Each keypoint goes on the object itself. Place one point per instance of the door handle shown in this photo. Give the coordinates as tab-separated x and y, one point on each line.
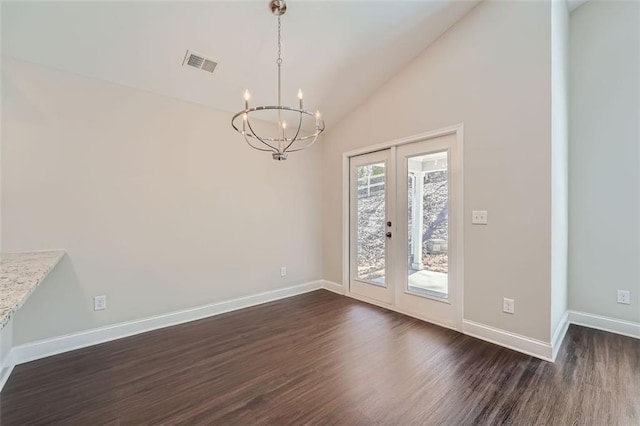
388	234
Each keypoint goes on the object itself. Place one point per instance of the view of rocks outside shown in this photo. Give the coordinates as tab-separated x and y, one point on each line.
371	222
435	238
372	226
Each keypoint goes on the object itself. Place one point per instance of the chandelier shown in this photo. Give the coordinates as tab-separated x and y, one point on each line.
287	138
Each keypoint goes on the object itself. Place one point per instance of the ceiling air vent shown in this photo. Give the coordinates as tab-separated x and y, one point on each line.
195	60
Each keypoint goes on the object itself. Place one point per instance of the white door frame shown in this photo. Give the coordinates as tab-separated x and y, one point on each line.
458	131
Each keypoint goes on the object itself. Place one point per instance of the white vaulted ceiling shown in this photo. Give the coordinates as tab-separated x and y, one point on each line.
337	52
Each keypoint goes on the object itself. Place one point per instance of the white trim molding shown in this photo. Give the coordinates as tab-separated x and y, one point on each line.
536	348
517	342
333	287
612	325
558	335
544	350
57	345
6	367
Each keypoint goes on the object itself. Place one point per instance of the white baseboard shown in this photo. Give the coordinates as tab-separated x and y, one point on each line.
517	342
612	325
558	335
542	349
334	287
6	367
44	348
548	352
527	345
524	344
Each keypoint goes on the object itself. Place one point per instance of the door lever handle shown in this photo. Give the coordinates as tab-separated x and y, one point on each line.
388	234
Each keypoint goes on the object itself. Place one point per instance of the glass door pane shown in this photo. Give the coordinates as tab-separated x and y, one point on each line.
428	225
370	223
370	187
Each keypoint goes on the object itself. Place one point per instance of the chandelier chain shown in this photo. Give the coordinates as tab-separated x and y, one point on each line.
279	62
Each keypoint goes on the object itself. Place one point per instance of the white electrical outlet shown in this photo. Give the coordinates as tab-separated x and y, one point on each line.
624	297
509	306
99	303
283	271
479	217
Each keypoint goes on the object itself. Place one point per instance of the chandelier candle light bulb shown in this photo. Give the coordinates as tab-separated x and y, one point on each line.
247	96
279	146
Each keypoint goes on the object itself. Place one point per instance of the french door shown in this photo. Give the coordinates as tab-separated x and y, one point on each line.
371	226
403	232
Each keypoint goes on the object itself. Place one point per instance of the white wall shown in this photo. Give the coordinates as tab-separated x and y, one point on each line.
559	160
159	203
604	154
491	72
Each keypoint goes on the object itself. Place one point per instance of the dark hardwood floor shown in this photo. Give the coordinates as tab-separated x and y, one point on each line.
321	358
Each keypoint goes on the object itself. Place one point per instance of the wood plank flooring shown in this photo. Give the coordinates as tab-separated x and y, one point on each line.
321	358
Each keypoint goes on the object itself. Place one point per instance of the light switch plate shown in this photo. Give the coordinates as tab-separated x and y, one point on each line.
479	217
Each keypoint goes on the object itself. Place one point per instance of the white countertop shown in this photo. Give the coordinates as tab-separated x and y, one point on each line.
20	275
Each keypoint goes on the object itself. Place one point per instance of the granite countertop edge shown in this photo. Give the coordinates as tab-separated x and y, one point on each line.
30	287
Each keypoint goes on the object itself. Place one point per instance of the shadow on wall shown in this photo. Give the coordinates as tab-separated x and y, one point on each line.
36	319
17	102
